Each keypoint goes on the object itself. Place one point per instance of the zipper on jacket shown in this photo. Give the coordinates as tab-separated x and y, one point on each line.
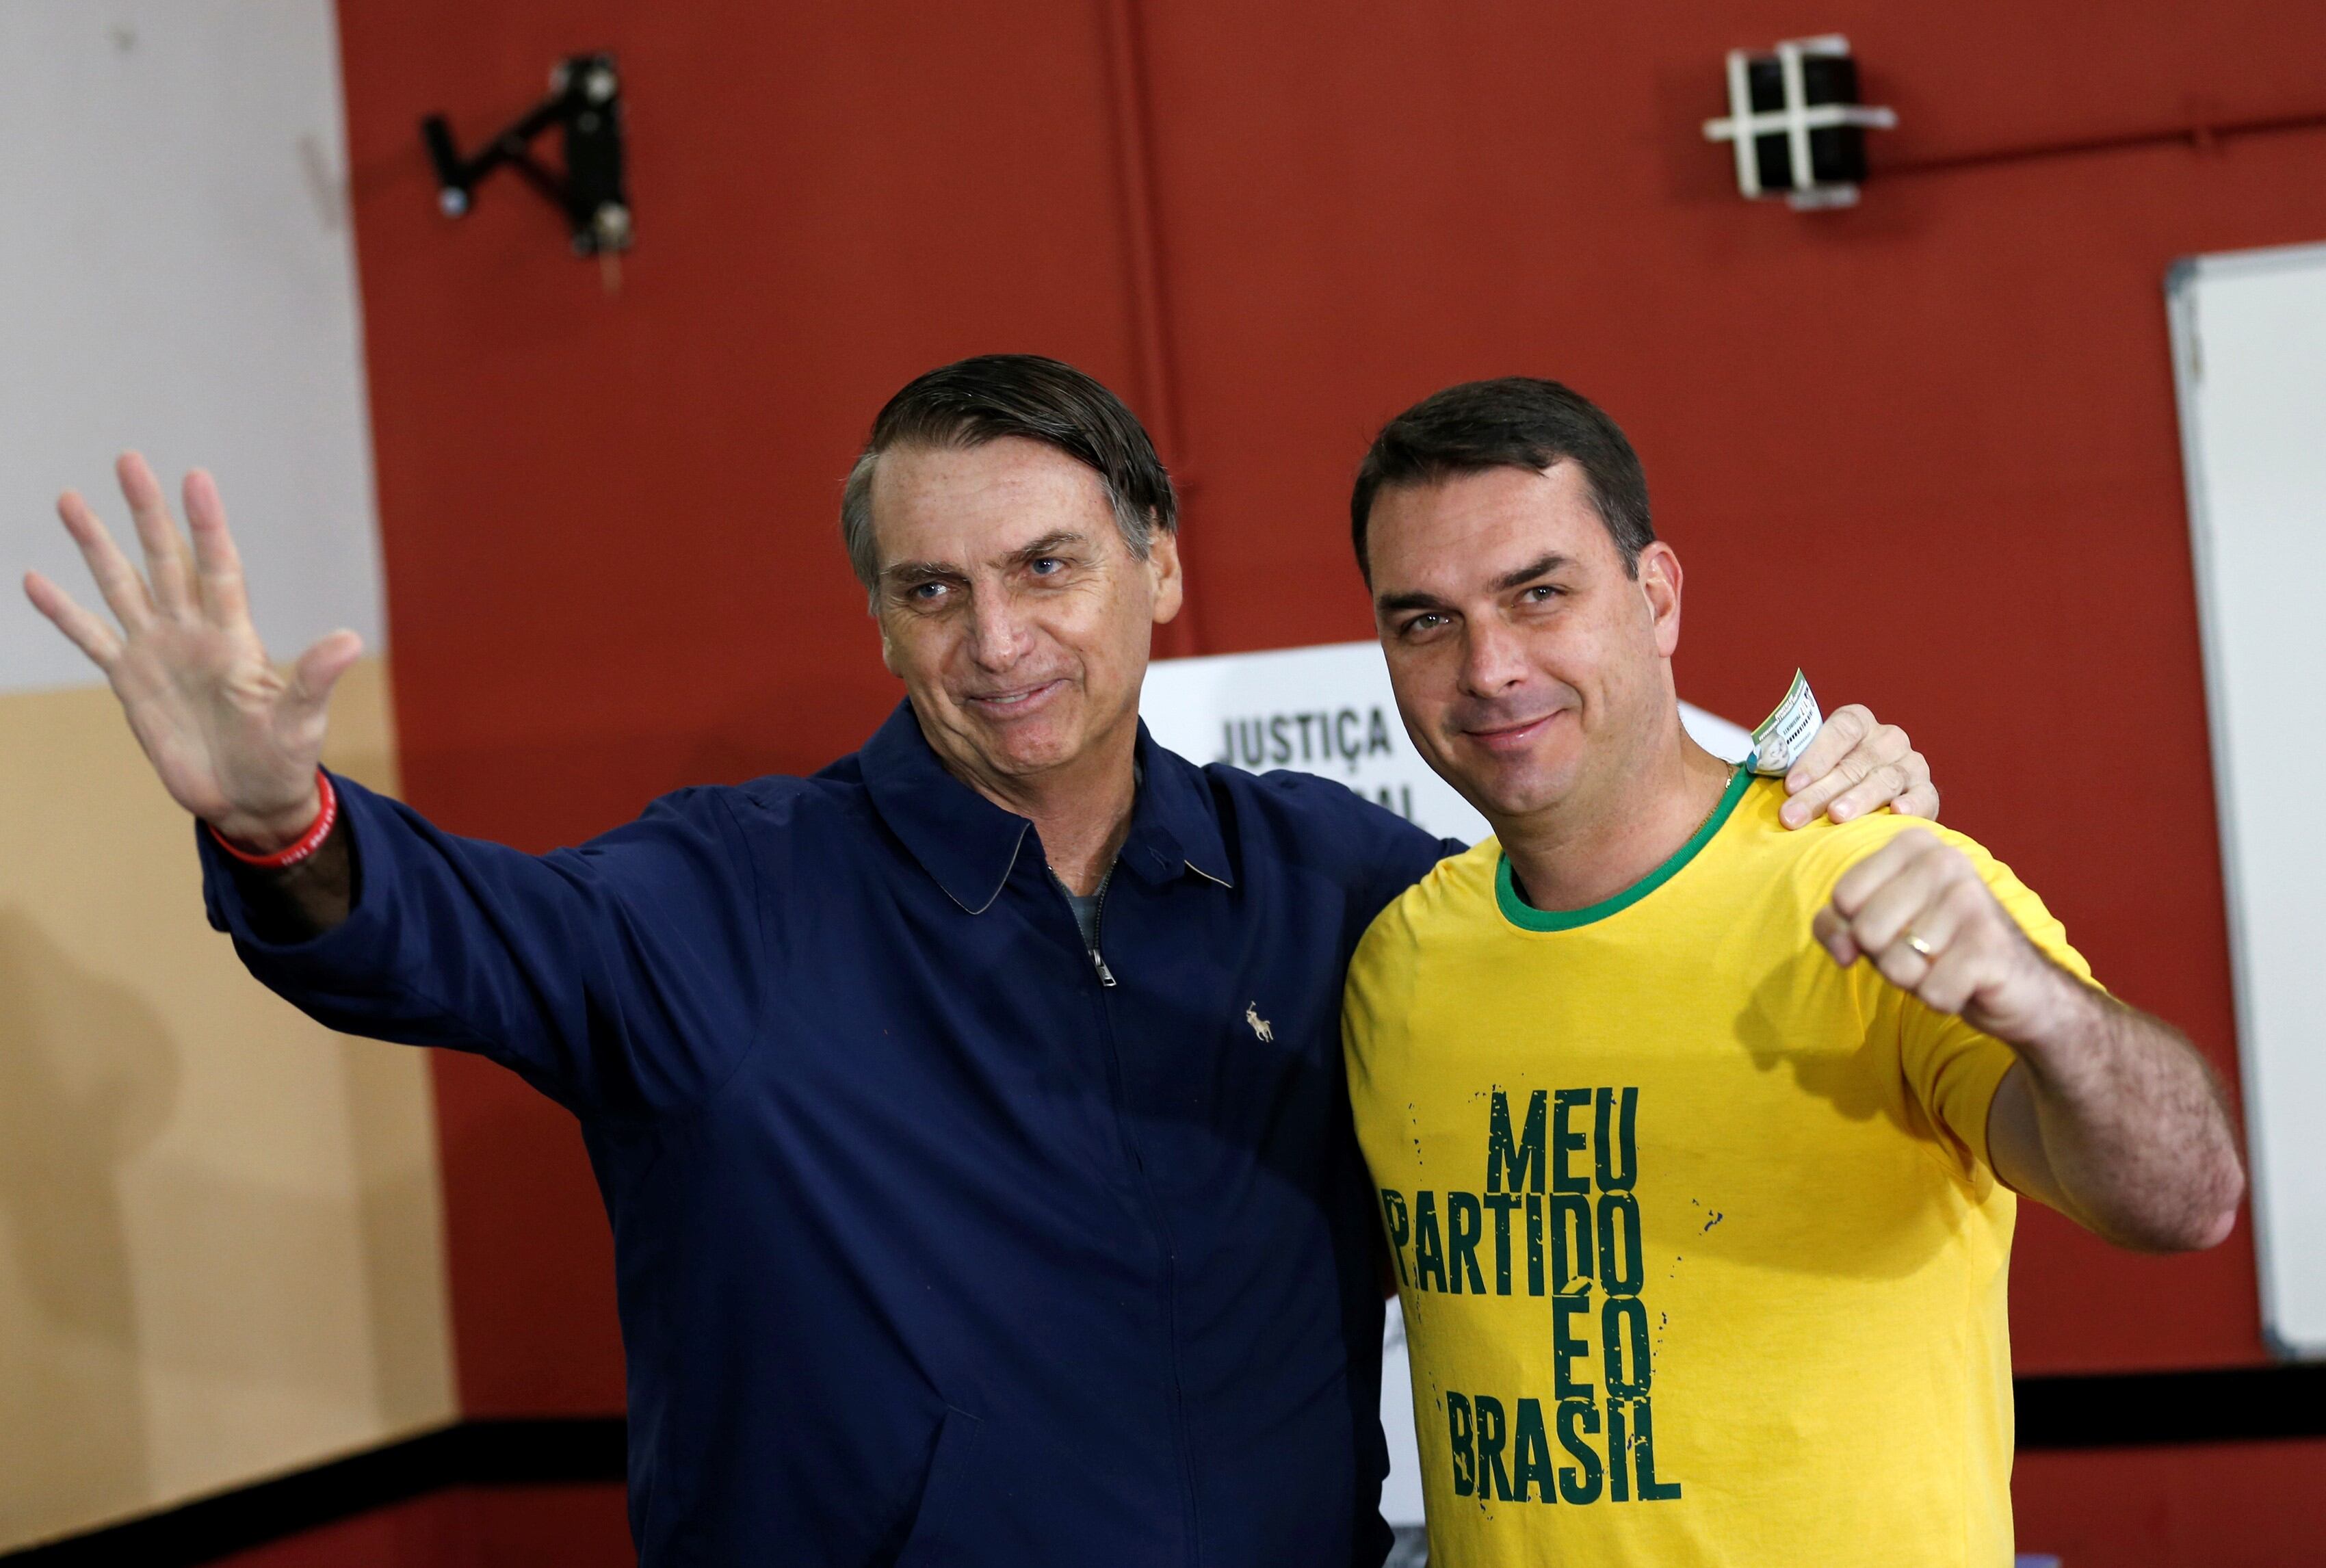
1190	1517
1098	917
1098	913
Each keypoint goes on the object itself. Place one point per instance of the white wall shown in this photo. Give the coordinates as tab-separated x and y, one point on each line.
177	274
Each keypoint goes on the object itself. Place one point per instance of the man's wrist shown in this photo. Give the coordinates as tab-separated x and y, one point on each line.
284	840
2066	1019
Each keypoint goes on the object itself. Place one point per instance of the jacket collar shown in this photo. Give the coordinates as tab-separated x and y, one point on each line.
1175	829
969	844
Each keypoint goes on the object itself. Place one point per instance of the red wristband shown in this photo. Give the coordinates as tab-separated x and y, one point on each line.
308	843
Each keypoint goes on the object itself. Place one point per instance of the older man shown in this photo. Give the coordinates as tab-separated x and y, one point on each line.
962	1210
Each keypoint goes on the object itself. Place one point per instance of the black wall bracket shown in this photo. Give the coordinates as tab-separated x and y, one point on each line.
585	102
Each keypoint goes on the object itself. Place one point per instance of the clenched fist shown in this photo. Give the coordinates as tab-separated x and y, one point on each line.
1919	911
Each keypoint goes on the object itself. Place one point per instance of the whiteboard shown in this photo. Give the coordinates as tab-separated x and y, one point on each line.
2249	357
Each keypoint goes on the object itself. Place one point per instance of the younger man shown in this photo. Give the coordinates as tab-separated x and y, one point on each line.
1701	1232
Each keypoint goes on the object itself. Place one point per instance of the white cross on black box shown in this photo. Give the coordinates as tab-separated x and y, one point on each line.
1795	122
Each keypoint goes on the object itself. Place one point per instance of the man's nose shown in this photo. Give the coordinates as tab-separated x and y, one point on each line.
1493	659
999	634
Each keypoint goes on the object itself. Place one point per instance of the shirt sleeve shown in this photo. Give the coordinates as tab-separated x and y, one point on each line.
1952	1068
619	978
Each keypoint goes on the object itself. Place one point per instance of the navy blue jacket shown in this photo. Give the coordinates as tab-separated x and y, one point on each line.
932	1246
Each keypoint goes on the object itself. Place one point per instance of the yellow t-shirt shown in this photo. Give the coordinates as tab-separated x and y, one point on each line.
1701	1255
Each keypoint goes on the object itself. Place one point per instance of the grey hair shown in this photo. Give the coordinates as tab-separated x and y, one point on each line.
976	401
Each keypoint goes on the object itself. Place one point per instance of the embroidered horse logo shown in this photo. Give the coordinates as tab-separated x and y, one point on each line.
1260	1025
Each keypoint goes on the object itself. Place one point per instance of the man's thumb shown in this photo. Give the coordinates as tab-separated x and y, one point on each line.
319	670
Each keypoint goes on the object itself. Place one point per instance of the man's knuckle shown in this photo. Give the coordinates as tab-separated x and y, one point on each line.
1979	946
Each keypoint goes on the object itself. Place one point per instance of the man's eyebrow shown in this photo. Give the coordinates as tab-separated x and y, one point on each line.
1527	573
912	572
1393	603
1049	543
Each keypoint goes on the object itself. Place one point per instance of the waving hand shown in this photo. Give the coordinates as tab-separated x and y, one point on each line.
234	741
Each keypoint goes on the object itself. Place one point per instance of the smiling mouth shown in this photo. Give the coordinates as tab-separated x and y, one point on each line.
1508	737
1004	704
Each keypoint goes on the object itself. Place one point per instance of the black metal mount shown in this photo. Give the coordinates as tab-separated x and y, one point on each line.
585	102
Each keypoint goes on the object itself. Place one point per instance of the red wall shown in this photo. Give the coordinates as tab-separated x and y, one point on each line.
2229	1505
1925	449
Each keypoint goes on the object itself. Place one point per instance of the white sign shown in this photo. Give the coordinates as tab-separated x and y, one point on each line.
1329	710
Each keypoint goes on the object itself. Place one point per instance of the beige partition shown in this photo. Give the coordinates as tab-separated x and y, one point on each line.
219	1226
219	1231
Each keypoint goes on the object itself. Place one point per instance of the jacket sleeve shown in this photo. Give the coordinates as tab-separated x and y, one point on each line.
1376	854
621	978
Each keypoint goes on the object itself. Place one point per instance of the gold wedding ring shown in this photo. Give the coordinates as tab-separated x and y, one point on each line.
1920	946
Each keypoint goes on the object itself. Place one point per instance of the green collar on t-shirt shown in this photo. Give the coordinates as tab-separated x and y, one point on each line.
1527	918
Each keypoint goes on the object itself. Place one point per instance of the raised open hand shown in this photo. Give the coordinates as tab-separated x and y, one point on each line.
234	740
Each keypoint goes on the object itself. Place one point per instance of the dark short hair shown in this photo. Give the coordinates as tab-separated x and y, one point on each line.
1515	422
975	401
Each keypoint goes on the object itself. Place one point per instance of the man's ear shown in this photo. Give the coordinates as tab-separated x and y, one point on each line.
1659	585
1164	575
